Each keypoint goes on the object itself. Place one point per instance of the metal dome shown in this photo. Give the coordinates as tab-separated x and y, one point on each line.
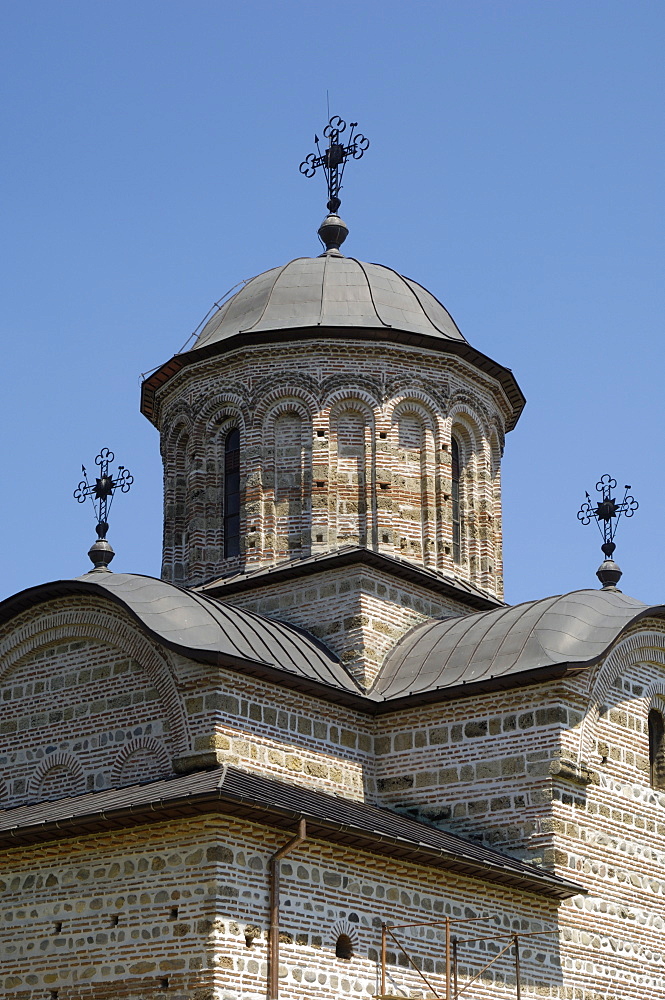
330	291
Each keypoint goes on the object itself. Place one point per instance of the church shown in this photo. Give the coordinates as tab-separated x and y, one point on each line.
321	758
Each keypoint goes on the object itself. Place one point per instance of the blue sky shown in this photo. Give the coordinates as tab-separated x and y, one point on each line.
150	161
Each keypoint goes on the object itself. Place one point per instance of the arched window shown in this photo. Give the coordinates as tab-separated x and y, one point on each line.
232	493
344	947
455	498
657	749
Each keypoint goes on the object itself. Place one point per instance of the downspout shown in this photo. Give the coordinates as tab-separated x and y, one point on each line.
273	939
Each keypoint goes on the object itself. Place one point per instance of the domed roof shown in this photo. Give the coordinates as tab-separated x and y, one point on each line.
330	291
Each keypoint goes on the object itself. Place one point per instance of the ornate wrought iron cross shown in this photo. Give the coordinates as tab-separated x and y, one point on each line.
102	491
333	159
607	512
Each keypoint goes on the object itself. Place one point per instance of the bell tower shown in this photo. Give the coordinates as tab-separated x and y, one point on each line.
332	448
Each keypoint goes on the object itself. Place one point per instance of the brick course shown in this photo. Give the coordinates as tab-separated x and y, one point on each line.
342	443
556	772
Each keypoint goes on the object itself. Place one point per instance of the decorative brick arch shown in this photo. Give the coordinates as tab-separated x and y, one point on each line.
285	395
61	761
640	647
463	404
338	386
417	401
66	621
179	415
344	928
146	747
214	412
352	397
268	390
285	403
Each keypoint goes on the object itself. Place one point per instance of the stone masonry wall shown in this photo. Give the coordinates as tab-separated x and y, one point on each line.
291	736
555	772
610	826
342	442
479	765
87	703
180	910
90	703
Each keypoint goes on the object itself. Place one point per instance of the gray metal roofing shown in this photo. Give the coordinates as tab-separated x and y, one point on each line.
192	622
572	628
355	825
330	291
346	555
439	659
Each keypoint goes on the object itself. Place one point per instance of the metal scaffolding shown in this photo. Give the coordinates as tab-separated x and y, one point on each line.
453	989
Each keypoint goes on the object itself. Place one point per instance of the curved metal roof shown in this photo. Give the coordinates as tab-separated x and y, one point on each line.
202	627
572	628
341	297
442	658
330	291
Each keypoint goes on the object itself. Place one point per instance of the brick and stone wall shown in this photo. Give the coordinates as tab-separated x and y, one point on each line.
342	442
180	909
359	612
87	703
557	772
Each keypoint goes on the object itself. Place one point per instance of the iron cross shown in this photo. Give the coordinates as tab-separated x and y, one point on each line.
333	159
102	491
607	512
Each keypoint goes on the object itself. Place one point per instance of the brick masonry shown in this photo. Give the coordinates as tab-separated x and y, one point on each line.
342	442
557	773
359	612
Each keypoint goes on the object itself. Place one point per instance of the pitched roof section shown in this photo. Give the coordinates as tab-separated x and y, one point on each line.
273	803
355	555
499	646
330	291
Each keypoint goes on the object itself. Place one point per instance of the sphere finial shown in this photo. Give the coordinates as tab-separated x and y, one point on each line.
333	231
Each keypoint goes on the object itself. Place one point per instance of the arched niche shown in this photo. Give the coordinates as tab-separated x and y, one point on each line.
414	481
352	472
286	480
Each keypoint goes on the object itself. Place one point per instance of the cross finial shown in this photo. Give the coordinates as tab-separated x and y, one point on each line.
607	514
101	493
333	231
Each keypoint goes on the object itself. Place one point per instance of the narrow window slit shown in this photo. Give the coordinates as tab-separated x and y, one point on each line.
232	493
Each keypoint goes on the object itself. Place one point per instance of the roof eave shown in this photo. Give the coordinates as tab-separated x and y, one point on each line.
162	375
244	805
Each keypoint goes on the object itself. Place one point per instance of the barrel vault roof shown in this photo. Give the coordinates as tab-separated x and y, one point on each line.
439	659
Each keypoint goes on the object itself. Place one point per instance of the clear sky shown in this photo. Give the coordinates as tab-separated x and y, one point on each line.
150	161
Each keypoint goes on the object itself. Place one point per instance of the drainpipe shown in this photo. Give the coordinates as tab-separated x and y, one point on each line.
273	940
